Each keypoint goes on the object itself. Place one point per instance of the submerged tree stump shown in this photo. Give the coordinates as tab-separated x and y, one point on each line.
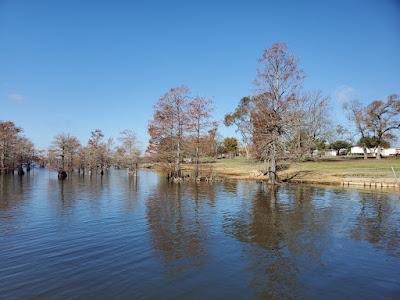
62	174
21	171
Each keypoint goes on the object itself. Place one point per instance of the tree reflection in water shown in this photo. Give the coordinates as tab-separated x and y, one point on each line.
14	190
216	240
288	232
176	227
377	222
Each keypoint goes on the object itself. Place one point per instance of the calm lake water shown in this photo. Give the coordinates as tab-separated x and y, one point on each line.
142	238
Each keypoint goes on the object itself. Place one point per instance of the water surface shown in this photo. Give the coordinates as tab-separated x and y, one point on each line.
143	238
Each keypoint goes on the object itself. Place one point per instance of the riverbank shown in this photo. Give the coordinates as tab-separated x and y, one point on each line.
343	171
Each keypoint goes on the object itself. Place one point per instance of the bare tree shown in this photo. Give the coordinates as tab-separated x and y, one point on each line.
118	158
60	146
276	103
212	141
108	153
42	158
129	150
82	159
52	158
66	147
310	124
241	119
356	113
382	118
24	153
73	146
166	129
200	122
95	152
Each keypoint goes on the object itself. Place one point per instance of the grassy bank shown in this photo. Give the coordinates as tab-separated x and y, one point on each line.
339	171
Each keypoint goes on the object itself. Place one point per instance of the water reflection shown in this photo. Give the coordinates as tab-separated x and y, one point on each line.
114	188
14	192
177	231
287	230
63	239
377	222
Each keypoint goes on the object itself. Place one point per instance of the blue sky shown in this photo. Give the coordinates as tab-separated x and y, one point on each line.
73	66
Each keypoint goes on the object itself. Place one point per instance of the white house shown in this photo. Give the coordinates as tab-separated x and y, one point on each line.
330	153
359	150
390	151
385	152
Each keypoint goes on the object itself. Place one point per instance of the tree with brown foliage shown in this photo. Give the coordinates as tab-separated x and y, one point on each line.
129	152
200	122
275	105
66	147
9	134
42	158
24	154
167	128
212	141
96	152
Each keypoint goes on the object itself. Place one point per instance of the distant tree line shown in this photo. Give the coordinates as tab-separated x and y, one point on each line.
66	154
96	157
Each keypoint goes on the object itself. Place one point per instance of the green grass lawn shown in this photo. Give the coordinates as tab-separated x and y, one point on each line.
353	167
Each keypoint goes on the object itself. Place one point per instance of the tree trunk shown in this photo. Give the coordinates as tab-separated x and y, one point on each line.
62	161
62	174
365	152
299	154
379	152
266	166
197	150
2	158
272	171
20	170
246	149
178	160
71	165
197	162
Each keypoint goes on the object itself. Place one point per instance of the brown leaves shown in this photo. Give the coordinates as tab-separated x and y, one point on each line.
279	73
178	117
277	100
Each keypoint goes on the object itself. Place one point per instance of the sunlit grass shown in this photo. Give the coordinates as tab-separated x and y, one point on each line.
339	168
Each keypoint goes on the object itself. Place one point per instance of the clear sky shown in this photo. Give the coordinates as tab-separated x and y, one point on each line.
73	66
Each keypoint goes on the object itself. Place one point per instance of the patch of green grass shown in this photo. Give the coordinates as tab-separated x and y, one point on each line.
355	168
